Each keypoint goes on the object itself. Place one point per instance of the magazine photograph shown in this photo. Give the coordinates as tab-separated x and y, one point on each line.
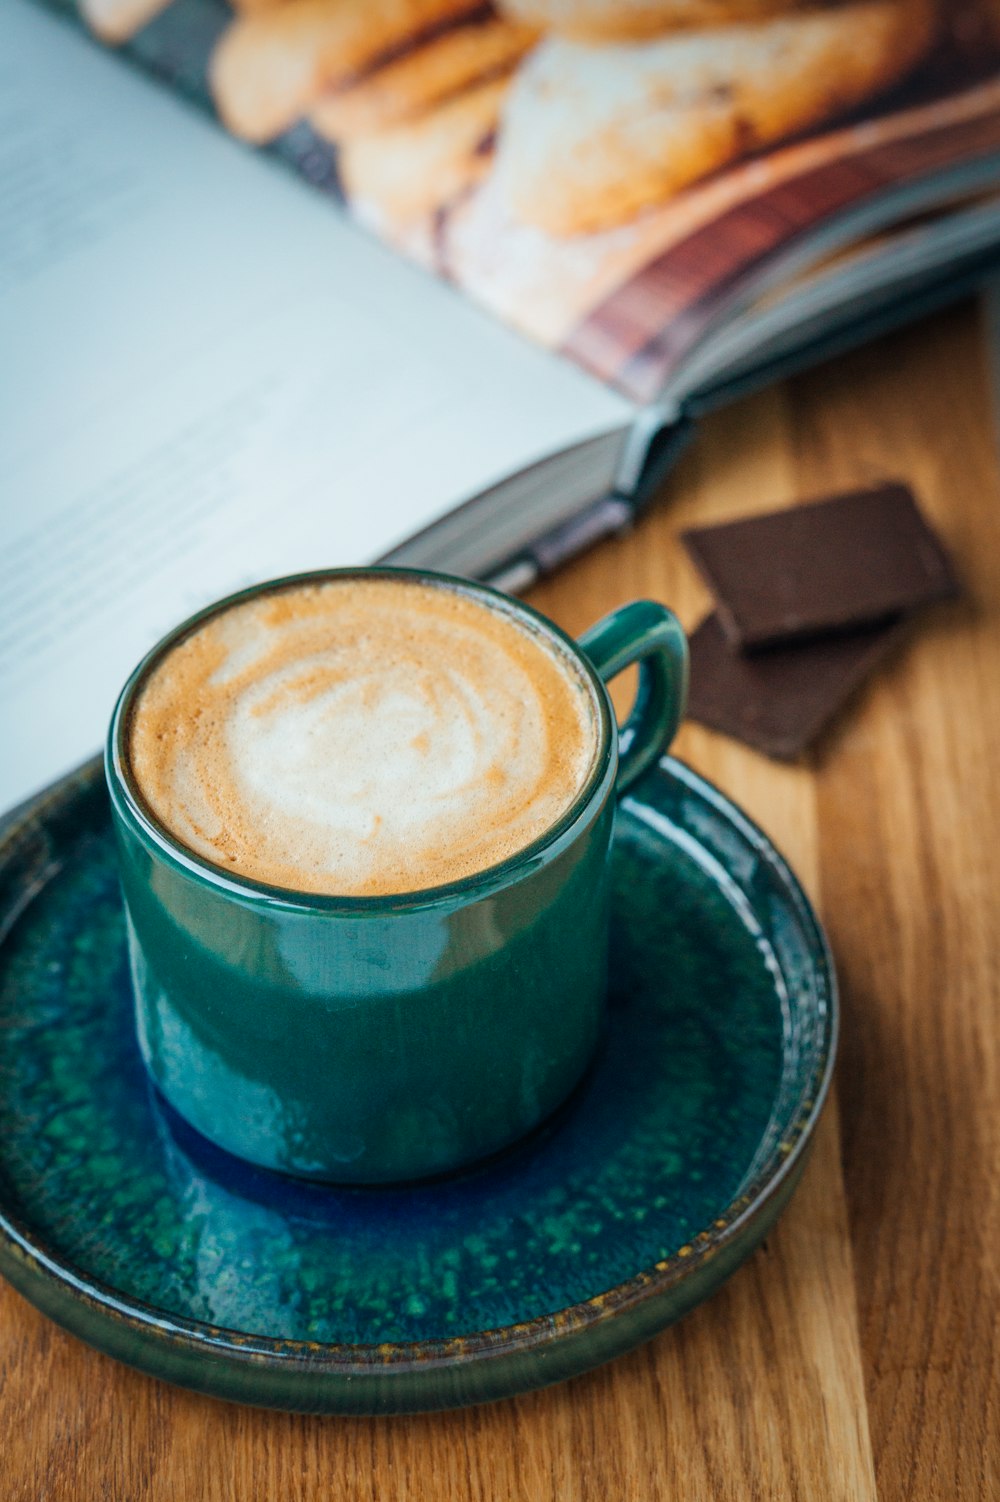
608	178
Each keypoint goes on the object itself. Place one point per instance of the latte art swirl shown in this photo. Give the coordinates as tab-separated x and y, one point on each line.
362	737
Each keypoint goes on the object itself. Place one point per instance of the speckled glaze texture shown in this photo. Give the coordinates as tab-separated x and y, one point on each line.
655	1181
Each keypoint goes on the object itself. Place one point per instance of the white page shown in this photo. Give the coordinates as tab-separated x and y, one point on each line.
207	377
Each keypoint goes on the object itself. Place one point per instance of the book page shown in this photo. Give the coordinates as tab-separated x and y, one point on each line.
209	378
613	184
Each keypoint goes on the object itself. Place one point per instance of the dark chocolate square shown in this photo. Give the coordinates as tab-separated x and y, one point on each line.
779	700
825	566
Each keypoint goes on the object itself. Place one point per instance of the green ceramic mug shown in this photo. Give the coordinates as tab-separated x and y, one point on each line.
383	1039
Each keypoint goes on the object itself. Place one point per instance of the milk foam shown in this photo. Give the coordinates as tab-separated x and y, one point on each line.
362	737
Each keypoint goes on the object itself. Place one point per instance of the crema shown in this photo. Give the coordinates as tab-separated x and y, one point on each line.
362	736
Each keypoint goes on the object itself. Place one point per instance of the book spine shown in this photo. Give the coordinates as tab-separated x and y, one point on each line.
607	517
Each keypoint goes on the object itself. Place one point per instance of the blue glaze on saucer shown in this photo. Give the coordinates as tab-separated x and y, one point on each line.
649	1187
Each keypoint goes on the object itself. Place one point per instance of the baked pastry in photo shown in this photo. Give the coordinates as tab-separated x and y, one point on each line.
622	20
412	171
272	66
591	136
115	21
415	79
249	7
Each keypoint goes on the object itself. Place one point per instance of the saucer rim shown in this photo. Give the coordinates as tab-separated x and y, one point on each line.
33	1259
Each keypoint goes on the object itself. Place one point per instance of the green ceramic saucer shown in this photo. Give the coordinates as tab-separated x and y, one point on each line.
661	1175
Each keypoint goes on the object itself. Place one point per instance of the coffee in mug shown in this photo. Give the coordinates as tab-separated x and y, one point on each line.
363	736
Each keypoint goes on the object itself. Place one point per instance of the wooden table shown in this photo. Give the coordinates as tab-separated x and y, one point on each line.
858	1354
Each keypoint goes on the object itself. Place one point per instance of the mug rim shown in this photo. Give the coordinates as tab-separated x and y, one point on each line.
129	802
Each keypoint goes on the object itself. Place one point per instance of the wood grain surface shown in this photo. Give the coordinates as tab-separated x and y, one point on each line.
857	1356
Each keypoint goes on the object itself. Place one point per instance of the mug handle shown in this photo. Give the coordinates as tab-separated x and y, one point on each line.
651	635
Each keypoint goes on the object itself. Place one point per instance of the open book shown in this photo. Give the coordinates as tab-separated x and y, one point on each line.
213	375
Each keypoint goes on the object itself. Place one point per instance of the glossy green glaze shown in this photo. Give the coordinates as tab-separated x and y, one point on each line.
376	1040
646	633
663	1171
